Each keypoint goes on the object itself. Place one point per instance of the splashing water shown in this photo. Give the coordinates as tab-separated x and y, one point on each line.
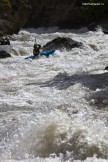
54	109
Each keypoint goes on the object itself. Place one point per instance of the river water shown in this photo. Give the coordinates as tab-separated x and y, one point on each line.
54	109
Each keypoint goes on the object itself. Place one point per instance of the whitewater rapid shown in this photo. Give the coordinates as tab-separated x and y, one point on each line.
54	109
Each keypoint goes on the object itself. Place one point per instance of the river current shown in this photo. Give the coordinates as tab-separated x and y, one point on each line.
54	109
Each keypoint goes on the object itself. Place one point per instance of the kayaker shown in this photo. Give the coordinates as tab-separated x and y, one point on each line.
36	49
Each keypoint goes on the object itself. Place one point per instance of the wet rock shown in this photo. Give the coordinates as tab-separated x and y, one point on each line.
94	47
4	54
4	41
105	31
106	68
99	98
95	26
60	43
104	25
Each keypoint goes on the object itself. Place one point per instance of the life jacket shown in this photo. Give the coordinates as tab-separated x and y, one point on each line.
36	49
35	52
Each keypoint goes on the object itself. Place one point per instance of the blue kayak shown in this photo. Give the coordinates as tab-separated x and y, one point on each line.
31	57
47	53
44	53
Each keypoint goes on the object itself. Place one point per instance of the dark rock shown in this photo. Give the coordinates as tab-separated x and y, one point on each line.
20	11
62	13
4	54
106	68
13	15
4	41
8	27
105	31
4	26
60	43
92	27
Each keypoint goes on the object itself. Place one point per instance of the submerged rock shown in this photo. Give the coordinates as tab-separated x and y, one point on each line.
4	54
60	43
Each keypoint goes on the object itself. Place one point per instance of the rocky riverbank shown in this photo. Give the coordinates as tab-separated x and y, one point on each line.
13	15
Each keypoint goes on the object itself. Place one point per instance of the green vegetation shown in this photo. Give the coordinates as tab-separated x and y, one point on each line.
1	33
4	2
4	5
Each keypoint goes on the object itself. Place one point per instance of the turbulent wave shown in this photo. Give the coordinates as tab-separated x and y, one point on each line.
54	109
